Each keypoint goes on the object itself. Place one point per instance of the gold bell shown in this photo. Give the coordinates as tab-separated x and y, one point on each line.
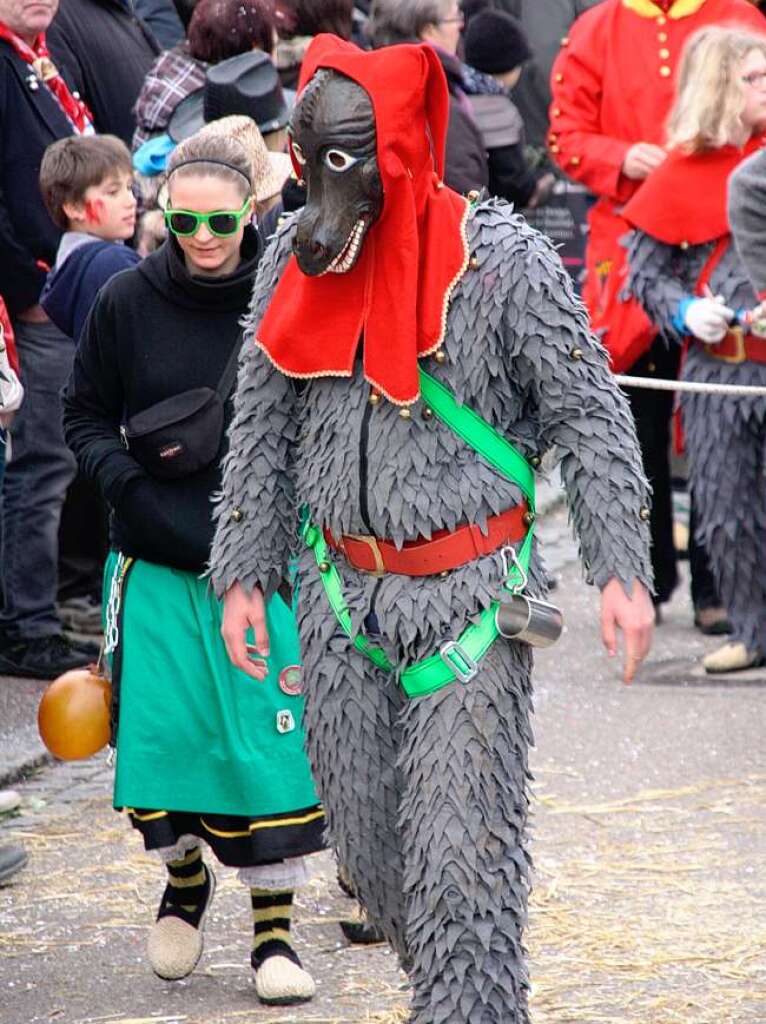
576	354
440	355
473	195
427	413
374	398
473	263
236	515
644	513
405	413
535	461
324	567
528	518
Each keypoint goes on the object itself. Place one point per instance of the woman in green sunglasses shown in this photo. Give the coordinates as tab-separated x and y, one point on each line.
204	753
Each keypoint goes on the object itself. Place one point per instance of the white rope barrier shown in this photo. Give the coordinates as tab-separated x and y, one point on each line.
691	387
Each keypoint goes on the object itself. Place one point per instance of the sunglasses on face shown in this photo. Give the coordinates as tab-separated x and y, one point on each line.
220	222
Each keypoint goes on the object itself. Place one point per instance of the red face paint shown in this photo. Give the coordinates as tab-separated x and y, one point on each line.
94	209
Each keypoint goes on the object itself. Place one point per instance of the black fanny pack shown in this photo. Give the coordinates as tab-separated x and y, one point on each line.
182	434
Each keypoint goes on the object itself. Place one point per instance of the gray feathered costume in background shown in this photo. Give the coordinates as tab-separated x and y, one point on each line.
725	437
426	800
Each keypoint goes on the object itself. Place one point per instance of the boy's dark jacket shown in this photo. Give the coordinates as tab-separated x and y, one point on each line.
73	285
154	332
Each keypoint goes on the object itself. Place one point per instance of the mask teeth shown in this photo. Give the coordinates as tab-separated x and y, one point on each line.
346	258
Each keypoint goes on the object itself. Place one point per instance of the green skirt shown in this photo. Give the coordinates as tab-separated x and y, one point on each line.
201	747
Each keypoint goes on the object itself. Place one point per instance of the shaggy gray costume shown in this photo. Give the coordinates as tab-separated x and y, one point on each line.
725	436
426	800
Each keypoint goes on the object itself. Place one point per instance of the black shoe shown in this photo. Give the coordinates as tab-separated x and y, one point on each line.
360	931
712	621
44	657
12	859
81	615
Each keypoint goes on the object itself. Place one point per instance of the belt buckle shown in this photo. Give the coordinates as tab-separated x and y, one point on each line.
377	554
739	338
456	659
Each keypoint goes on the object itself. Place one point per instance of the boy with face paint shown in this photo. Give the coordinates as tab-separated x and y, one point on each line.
387	273
87	185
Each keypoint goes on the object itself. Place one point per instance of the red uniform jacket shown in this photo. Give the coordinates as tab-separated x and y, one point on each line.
613	84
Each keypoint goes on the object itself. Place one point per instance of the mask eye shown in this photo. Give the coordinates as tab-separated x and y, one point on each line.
339	161
298	152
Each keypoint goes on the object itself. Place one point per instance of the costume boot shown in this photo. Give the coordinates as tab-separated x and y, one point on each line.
175	940
280	979
732	657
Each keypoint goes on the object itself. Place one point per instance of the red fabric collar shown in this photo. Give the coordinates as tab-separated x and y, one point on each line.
39	58
397	295
684	200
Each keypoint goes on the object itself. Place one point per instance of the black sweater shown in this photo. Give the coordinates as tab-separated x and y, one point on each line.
154	332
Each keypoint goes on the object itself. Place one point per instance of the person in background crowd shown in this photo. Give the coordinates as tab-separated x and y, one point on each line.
218	30
107	51
87	186
496	46
37	107
301	21
613	85
163	21
439	23
686	272
161	332
545	24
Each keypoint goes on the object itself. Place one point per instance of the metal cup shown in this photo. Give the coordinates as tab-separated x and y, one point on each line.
529	620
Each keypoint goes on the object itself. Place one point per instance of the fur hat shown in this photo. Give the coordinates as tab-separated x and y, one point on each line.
495	42
269	170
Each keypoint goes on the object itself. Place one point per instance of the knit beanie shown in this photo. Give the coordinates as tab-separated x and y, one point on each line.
495	42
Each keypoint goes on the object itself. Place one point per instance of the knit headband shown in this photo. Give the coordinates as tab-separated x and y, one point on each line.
211	160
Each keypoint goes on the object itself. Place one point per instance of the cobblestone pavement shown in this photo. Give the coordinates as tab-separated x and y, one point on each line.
649	838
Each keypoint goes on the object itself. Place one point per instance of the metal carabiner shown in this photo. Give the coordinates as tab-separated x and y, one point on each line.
511	562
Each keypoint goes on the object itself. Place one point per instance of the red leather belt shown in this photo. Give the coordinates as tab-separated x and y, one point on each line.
445	551
737	347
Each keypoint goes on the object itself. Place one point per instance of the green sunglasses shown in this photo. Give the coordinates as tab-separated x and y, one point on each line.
220	222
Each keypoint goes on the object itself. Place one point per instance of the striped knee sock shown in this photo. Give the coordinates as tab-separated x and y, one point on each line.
271	925
187	881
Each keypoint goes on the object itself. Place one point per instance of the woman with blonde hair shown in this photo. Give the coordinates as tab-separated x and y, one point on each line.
687	274
204	753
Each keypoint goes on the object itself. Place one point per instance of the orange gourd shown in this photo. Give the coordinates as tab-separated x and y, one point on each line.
73	717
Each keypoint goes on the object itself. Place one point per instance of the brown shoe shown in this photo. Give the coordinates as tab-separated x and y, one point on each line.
712	621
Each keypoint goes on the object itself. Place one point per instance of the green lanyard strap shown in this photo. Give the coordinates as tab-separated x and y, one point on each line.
457	659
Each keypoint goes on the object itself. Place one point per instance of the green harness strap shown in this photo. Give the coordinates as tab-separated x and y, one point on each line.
457	659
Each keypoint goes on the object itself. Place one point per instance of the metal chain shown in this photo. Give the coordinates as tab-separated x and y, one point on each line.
111	631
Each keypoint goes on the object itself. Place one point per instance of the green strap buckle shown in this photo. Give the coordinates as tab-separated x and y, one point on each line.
456	659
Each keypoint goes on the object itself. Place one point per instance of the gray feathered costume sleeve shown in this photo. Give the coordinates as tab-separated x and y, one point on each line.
257	517
747	217
659	280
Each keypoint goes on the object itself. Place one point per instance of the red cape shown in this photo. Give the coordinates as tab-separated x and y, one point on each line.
684	200
396	296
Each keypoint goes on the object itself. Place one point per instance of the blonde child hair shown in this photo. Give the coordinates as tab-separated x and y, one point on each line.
708	107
